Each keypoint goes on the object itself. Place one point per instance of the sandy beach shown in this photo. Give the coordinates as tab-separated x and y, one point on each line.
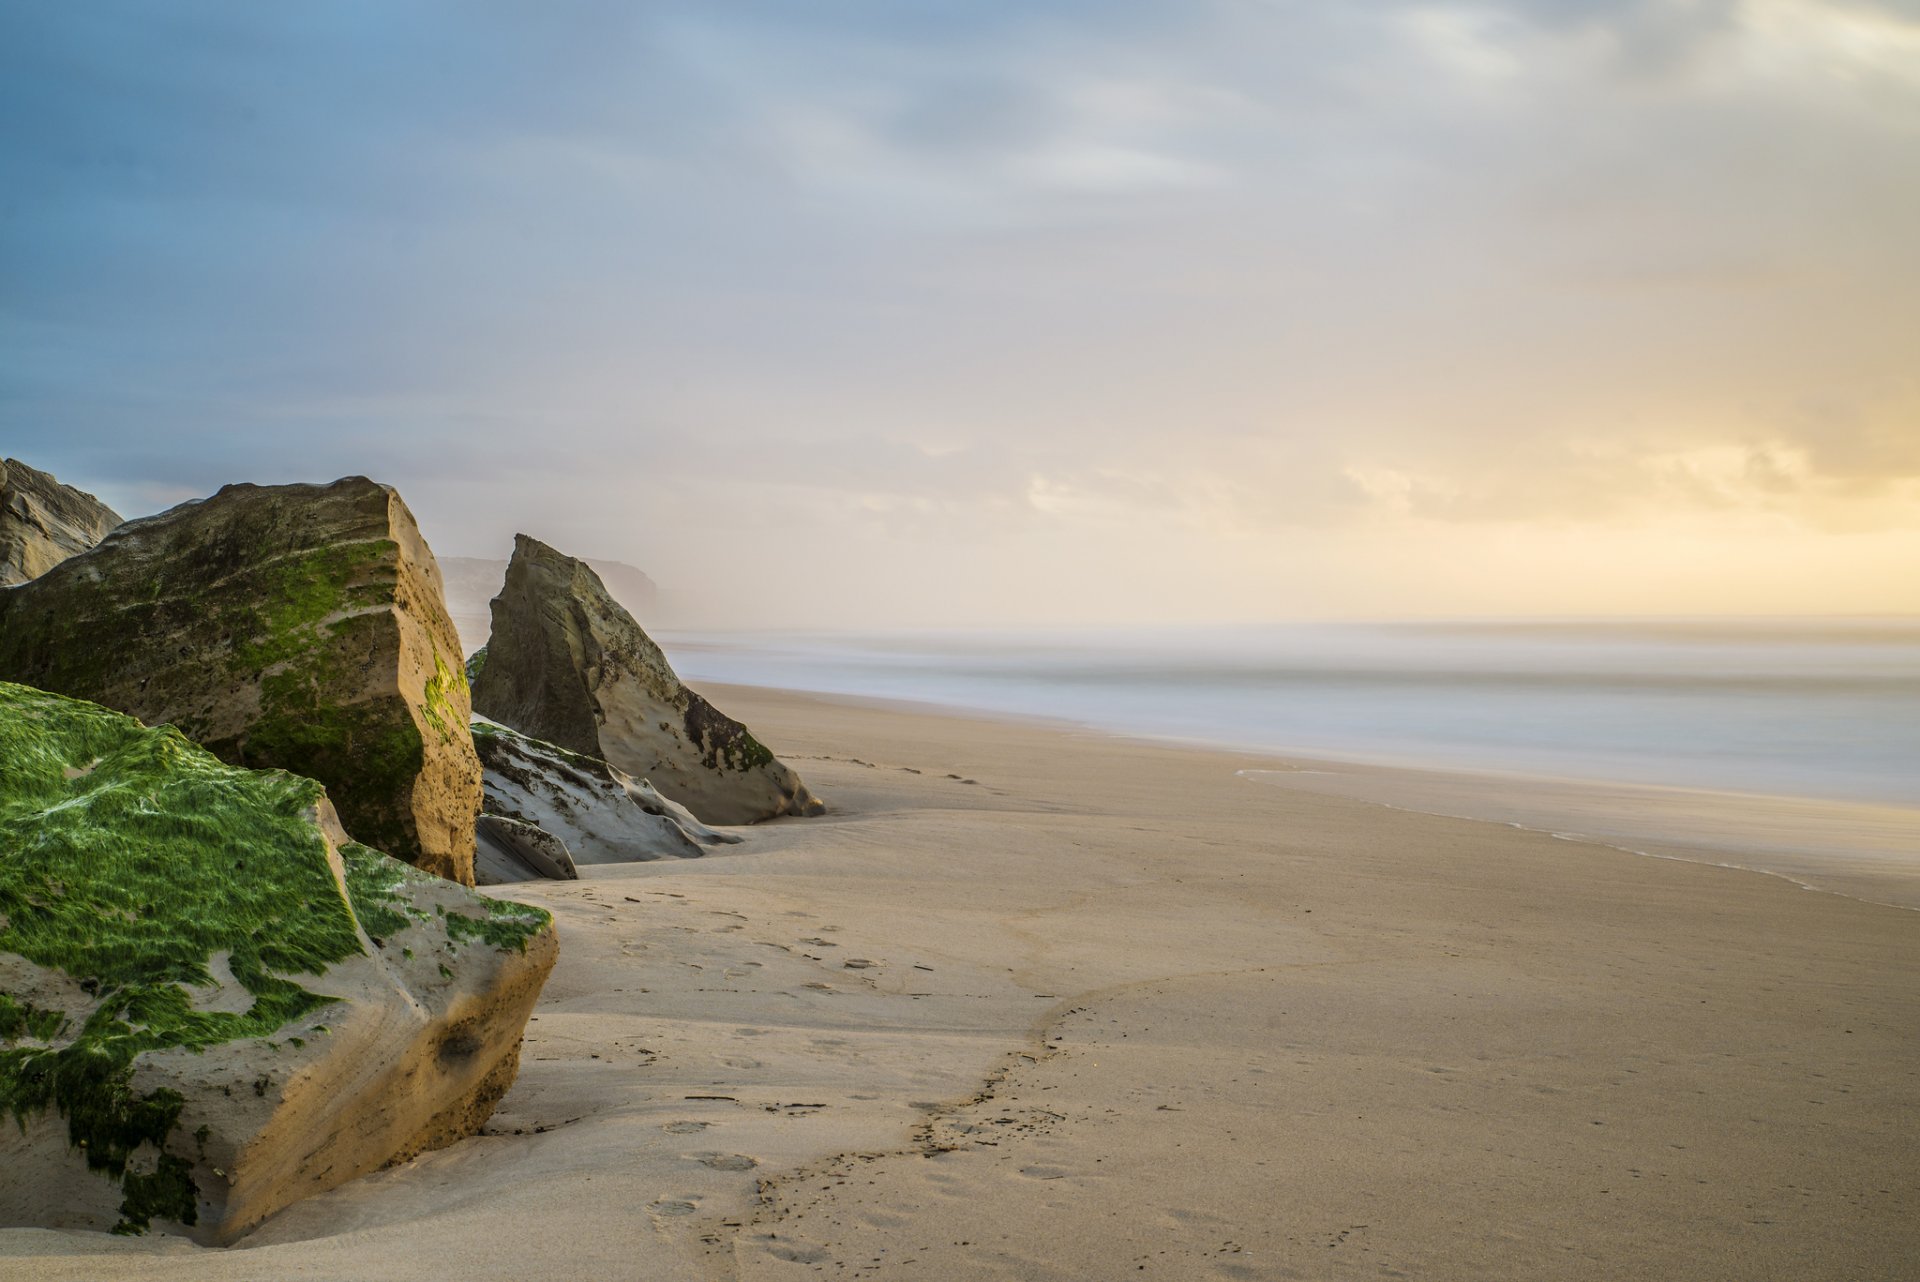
1030	1003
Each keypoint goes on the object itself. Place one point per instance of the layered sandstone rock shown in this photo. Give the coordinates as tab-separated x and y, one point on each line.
212	1002
550	811
298	626
565	663
43	522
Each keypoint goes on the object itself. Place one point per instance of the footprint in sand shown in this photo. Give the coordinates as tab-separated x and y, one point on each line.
796	1250
725	1161
685	1128
1044	1172
673	1206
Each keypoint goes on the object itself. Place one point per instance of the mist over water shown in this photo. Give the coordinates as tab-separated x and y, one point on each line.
1817	710
1644	728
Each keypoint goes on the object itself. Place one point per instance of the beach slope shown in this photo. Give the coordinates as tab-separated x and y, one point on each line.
1034	1004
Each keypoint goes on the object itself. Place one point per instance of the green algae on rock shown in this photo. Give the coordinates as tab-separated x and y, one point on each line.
204	1010
297	626
568	665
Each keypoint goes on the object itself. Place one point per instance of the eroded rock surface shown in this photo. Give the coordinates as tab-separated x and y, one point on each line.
565	663
509	850
43	522
212	1003
593	812
298	626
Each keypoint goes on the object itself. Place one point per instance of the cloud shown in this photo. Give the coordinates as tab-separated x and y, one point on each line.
1036	279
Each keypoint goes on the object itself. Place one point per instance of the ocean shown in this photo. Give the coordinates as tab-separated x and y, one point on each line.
1790	746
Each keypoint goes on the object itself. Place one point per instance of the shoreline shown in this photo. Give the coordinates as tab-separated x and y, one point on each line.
1862	850
1113	1010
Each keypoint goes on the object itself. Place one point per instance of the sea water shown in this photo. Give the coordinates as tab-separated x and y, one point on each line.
1674	731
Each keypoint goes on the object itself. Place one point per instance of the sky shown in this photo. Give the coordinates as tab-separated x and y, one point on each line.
870	313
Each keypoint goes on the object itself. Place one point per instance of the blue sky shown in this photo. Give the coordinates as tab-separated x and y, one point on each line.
951	313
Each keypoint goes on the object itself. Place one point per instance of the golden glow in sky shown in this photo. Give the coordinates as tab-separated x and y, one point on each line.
999	314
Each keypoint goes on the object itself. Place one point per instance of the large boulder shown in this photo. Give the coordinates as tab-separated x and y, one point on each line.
212	1002
550	811
565	663
473	581
43	522
298	626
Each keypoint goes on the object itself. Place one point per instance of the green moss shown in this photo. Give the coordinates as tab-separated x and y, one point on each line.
251	607
476	661
746	752
129	859
376	884
22	1019
359	750
167	1192
292	597
507	925
435	705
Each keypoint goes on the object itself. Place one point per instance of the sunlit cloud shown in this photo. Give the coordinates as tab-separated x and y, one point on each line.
1312	308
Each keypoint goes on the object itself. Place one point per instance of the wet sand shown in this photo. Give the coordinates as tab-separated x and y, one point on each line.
1864	850
1033	1004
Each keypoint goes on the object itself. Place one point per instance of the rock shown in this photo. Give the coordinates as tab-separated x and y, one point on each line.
567	665
473	581
298	626
212	1002
43	522
505	850
595	813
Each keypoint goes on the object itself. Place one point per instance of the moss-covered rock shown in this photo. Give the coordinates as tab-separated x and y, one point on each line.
43	522
296	626
211	1002
568	665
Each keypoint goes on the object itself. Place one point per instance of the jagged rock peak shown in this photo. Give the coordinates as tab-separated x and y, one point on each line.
43	522
568	665
298	626
474	581
228	1005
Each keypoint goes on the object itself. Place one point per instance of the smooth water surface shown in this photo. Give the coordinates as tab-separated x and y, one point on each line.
1697	738
1817	709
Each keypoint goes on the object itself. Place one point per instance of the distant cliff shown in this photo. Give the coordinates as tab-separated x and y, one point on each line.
43	522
